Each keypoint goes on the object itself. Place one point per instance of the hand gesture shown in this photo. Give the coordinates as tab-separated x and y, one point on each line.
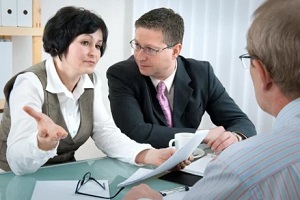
49	133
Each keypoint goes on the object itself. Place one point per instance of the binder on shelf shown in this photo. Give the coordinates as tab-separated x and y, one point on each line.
24	13
9	12
6	67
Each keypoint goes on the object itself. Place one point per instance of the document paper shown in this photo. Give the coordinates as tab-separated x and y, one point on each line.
179	156
198	167
64	189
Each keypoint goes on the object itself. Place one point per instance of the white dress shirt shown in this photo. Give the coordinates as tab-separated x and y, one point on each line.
23	154
169	85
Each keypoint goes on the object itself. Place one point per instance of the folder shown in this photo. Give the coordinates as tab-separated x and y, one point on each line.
181	178
191	173
6	65
9	12
24	13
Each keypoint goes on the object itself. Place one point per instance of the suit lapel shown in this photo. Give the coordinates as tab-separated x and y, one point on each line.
182	94
182	91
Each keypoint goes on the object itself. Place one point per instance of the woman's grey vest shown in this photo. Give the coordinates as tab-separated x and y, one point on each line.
51	107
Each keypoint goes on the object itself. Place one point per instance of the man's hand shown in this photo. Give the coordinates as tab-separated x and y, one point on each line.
49	133
142	191
158	156
219	139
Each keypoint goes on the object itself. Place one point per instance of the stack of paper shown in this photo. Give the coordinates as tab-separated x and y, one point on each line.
198	167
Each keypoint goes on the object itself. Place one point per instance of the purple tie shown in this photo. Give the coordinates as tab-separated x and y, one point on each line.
164	103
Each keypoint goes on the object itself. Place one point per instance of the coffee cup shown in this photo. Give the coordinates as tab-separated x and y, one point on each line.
180	139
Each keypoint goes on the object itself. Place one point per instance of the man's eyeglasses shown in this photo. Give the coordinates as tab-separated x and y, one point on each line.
247	60
148	50
87	177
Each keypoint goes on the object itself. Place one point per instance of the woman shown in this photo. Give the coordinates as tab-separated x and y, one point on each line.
63	95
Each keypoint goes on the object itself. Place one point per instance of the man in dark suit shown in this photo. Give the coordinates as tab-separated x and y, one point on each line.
191	89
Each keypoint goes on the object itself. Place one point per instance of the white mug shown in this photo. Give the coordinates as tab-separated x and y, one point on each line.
180	139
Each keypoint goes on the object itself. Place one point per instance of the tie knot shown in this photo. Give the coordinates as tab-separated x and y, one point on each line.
161	87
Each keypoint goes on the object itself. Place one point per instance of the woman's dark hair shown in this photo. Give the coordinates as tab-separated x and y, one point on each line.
66	25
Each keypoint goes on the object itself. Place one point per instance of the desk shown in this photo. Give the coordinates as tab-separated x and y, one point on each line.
115	171
1	105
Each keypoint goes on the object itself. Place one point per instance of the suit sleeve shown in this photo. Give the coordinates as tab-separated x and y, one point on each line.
223	111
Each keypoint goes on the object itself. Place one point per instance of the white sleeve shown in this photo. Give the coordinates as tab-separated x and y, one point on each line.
23	154
107	136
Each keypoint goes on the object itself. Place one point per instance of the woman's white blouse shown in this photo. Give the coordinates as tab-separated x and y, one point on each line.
23	154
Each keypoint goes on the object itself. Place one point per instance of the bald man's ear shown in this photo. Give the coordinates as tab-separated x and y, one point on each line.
263	73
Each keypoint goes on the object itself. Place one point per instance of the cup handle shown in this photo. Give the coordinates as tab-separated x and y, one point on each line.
172	143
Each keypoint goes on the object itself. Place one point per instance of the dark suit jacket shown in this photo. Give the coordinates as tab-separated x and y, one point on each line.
137	113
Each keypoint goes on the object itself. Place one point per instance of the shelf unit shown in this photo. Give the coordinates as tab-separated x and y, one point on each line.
36	32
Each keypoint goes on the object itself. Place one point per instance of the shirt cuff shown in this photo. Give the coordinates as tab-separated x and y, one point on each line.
37	152
137	151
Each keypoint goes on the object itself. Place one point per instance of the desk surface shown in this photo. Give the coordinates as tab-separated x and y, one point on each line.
21	187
